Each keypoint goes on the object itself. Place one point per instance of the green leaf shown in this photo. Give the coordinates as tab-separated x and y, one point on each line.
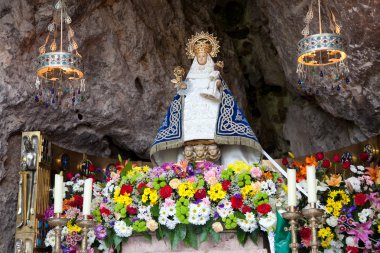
192	238
174	239
147	236
159	233
155	210
109	238
126	168
254	236
215	236
241	236
239	215
117	241
120	159
204	234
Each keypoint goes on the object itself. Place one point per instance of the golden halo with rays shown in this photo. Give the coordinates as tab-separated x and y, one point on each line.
202	40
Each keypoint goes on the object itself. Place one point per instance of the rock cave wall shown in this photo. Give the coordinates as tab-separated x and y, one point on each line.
130	49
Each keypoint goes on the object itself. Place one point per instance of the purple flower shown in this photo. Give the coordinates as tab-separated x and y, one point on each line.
239	196
216	215
49	213
100	232
361	231
104	200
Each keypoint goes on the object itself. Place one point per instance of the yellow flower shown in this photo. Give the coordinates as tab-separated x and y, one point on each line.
239	166
122	199
334	180
73	227
378	228
186	189
335	202
285	187
247	191
149	194
216	192
146	169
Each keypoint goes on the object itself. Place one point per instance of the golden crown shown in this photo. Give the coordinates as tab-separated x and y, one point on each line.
202	42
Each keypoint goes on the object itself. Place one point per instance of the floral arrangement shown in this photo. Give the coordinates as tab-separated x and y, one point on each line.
183	201
350	196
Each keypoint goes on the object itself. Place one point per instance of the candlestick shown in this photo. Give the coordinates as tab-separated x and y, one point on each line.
58	193
85	224
57	222
313	214
87	196
293	216
311	184
292	201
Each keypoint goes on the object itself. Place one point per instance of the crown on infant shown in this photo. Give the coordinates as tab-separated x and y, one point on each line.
202	42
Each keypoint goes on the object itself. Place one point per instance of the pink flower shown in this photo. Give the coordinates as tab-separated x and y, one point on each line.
256	172
361	231
72	212
210	177
206	201
150	185
169	202
191	179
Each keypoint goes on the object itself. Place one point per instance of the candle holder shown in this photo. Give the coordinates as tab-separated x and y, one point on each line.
293	215
86	225
313	214
57	222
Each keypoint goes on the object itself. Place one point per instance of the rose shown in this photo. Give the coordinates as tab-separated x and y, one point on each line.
319	156
69	176
141	187
326	163
246	209
346	165
78	201
104	211
174	183
131	210
336	158
351	249
217	227
226	185
305	234
264	209
152	225
364	156
91	168
200	194
360	199
236	201
166	191
285	161
126	188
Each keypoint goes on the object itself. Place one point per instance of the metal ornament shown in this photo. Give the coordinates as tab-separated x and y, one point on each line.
60	72
86	225
323	54
57	222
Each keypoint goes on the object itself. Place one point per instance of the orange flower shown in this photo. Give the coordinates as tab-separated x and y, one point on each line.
374	174
267	175
183	164
334	180
66	203
310	160
295	164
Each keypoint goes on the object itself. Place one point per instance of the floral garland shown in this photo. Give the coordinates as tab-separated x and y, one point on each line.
196	200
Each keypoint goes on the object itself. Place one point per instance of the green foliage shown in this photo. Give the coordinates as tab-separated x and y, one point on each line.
139	226
230	222
227	174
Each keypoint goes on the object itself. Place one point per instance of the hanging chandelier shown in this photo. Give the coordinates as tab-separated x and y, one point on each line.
322	55
60	74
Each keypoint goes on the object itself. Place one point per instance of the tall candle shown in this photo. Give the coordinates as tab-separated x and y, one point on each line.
58	193
87	196
292	187
311	184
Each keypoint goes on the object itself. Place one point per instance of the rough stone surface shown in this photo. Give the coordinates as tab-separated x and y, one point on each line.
130	48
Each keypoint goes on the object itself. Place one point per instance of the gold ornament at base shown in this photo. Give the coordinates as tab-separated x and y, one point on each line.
86	225
293	215
57	222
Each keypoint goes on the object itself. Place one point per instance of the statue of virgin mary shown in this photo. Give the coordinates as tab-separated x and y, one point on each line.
203	121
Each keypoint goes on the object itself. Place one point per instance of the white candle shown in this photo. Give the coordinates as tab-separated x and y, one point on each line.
311	184
87	196
292	187
58	193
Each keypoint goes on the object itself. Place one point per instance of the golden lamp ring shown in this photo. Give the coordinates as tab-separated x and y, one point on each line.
321	49
53	64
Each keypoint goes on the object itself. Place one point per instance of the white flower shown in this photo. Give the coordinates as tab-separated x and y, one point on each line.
332	221
152	225
357	169
350	241
362	218
224	208
144	213
50	238
103	248
217	227
91	237
122	230
321	186
336	244
268	223
199	213
168	217
248	224
268	187
355	182
366	212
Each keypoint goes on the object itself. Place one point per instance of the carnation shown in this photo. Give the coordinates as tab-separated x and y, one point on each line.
166	191
355	183
200	194
174	183
226	185
360	199
152	225
332	221
256	172
126	188
217	227
264	209
237	201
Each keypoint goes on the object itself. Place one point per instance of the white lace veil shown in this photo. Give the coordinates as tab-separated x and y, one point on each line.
201	71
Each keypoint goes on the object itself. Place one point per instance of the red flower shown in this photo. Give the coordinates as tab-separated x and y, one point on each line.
360	199
305	234
351	249
236	202
336	158
285	161
131	210
126	188
326	164
91	168
92	177
166	191
264	209
319	156
78	200
200	194
226	185
140	188
363	156
346	165
104	211
69	176
246	209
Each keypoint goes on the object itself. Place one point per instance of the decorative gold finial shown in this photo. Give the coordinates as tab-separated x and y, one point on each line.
202	42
